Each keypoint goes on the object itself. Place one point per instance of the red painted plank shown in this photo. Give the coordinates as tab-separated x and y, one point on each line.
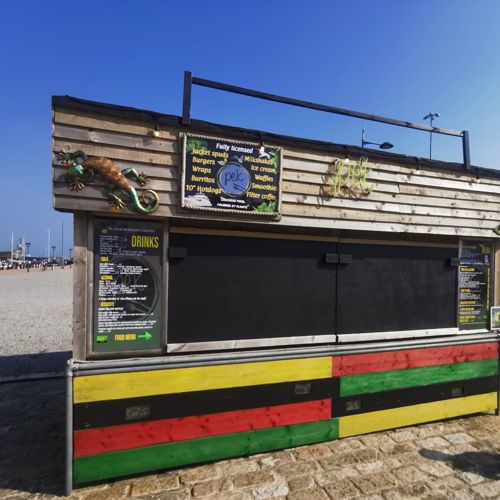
123	437
412	358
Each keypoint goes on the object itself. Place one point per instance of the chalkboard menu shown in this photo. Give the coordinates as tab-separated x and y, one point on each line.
127	285
227	176
474	285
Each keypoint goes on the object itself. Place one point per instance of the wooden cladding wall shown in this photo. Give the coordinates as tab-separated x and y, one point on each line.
404	198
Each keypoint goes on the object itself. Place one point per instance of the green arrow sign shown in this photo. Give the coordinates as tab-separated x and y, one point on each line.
145	336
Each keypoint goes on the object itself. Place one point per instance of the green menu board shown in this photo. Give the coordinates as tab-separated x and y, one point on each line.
127	285
474	284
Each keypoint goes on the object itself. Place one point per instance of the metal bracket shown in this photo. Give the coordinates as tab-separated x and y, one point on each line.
186	99
336	258
177	253
331	258
190	80
466	150
345	258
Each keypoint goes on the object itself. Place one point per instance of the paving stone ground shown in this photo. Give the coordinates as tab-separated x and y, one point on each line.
457	459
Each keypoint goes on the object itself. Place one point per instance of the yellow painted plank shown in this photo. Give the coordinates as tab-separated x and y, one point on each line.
354	425
200	378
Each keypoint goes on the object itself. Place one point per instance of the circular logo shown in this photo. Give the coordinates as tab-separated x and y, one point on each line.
233	179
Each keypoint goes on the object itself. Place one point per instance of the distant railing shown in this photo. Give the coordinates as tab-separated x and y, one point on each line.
190	80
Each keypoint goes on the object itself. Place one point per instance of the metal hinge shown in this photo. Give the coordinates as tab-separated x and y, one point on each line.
177	252
338	258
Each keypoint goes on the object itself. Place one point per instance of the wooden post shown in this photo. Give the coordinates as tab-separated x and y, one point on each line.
496	301
80	285
496	273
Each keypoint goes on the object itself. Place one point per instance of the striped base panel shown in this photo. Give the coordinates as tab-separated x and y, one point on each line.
137	422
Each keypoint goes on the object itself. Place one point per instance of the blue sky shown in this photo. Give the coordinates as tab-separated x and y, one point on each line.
387	57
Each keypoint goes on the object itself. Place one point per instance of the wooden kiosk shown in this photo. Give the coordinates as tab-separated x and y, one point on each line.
262	292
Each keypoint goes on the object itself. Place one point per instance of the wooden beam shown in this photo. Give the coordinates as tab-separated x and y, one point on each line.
107	122
142	142
80	285
116	153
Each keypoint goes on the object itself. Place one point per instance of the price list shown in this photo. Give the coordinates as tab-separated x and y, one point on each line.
222	175
474	284
127	285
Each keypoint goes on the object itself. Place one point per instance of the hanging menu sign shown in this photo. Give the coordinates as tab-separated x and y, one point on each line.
228	176
127	285
474	284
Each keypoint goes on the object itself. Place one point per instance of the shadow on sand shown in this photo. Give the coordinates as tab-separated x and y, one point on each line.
32	425
32	364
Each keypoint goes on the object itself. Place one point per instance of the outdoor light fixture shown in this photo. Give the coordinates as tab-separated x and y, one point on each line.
431	117
383	145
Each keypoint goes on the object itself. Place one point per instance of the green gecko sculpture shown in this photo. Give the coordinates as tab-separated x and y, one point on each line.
82	169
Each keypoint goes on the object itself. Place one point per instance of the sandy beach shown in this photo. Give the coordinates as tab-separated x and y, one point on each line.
35	320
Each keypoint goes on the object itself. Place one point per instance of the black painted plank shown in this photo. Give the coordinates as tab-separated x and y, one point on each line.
125	411
416	395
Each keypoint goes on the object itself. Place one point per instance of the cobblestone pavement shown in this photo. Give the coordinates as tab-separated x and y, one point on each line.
458	459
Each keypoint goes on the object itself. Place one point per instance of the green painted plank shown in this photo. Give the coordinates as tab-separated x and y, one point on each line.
163	456
414	377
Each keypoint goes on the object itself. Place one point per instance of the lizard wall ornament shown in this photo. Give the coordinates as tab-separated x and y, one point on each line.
82	169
